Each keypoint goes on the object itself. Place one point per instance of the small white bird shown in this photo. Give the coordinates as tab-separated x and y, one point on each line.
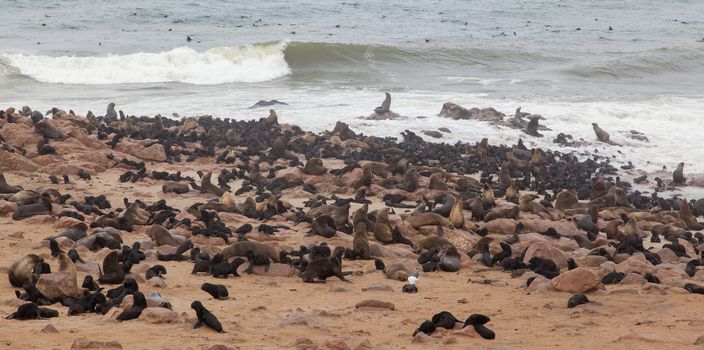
413	277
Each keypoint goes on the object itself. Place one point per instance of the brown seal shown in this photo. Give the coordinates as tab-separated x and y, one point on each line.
424	219
678	175
5	188
502	213
161	236
430	243
449	259
512	194
601	135
360	243
488	196
42	207
314	166
20	272
566	199
272	119
687	217
241	248
323	268
410	181
134	215
364	180
175	187
382	227
324	225
397	271
456	214
437	183
206	186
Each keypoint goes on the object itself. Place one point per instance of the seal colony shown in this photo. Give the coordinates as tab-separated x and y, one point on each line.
230	224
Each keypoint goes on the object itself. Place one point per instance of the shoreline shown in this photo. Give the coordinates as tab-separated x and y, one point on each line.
276	309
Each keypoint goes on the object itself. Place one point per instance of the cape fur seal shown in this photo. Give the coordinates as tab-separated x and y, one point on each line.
241	248
322	268
601	135
205	317
20	272
360	243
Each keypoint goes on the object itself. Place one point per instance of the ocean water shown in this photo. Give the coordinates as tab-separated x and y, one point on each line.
627	65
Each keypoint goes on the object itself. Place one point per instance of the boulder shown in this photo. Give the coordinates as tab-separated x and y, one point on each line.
579	280
546	251
158	315
57	284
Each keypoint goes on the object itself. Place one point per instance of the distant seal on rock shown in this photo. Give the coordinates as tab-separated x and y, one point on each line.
601	135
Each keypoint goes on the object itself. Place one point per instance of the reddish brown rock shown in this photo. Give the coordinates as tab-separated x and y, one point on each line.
579	280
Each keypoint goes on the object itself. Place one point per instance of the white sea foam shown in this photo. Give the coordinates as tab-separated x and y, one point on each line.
246	63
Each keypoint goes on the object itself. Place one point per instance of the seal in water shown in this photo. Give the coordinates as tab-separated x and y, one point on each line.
217	291
385	106
678	174
601	135
205	317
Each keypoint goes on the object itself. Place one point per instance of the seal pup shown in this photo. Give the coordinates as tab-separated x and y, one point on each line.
217	291
259	260
577	299
478	321
205	317
30	311
360	242
138	305
601	135
20	272
155	271
678	175
324	268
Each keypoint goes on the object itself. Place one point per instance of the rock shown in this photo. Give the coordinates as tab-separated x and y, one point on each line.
301	318
546	251
667	255
57	284
633	278
455	111
432	133
540	285
10	161
291	174
154	152
350	342
606	268
219	347
579	280
592	261
65	222
49	329
378	287
275	269
158	315
635	263
373	303
84	343
462	240
90	267
7	208
19	135
339	288
156	282
212	241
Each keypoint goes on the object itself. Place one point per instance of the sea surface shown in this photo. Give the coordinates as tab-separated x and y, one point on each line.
627	65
